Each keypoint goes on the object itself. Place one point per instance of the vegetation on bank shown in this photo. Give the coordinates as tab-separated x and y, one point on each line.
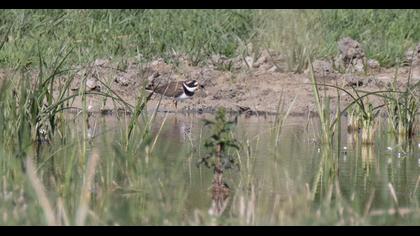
384	34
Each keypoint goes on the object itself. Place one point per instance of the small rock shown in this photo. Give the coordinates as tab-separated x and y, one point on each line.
412	55
100	62
237	63
273	69
378	83
352	80
262	59
249	61
266	68
122	81
321	68
219	59
215	58
350	49
92	84
373	64
351	55
157	62
358	65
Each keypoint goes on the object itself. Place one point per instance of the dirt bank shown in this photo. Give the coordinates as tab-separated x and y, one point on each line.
246	89
250	86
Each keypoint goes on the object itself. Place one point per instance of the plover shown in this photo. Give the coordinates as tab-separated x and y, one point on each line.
178	90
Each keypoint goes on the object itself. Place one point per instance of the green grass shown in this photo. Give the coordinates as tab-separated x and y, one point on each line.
123	34
299	33
402	108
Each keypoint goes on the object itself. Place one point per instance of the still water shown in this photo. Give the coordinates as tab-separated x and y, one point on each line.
274	181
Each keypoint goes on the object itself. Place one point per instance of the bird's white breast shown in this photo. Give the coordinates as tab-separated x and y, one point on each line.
183	96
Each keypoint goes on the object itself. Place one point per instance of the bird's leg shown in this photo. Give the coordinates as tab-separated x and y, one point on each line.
176	106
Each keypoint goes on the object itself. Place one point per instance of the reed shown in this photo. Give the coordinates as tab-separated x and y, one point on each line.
402	107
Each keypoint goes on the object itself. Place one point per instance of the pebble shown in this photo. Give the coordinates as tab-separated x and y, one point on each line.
91	84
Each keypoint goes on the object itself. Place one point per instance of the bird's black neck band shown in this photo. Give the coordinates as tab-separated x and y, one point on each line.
187	92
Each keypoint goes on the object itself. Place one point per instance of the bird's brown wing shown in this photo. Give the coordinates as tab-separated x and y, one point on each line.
172	89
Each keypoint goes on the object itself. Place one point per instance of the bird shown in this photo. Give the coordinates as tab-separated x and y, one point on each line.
178	90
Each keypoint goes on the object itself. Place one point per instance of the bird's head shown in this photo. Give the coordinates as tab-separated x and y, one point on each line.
191	85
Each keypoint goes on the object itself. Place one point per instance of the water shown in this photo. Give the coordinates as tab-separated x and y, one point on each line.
273	185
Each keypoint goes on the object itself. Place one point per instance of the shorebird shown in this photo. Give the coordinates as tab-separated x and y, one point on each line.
178	90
